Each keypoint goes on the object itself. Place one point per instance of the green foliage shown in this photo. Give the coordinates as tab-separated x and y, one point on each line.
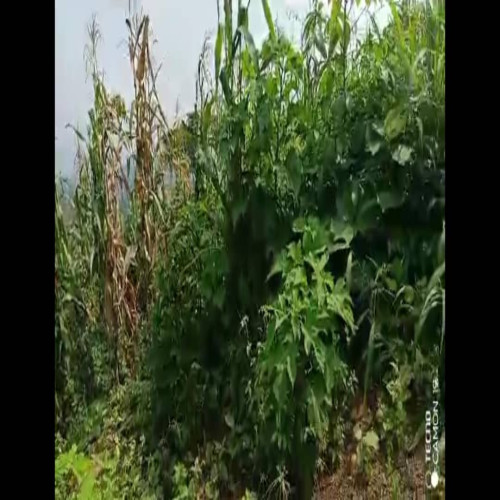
206	343
301	366
81	469
367	448
78	476
182	350
393	413
249	495
205	478
109	457
81	360
183	489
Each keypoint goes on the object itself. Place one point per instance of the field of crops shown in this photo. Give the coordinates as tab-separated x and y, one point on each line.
250	301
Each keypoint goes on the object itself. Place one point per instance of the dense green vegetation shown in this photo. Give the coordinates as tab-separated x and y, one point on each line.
215	334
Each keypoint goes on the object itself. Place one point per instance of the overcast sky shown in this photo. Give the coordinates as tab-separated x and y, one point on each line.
179	26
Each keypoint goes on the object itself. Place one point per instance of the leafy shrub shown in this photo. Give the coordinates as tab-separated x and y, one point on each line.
393	413
366	450
302	361
109	456
78	476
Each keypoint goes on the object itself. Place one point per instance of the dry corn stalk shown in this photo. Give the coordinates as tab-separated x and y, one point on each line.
144	178
120	305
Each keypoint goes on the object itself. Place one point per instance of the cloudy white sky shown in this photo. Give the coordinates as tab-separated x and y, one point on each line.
179	27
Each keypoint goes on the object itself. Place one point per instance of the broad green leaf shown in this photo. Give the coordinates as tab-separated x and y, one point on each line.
339	303
295	252
320	45
342	231
308	339
433	301
436	276
315	241
358	433
315	401
225	85
371	440
279	388
299	225
298	276
269	19
280	319
271	330
346	32
389	199
249	71
320	353
400	38
367	216
335	33
338	246
321	263
402	155
391	284
266	55
378	128
335	10
278	266
373	146
409	293
229	419
295	327
87	487
330	368
314	414
395	123
242	17
250	45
